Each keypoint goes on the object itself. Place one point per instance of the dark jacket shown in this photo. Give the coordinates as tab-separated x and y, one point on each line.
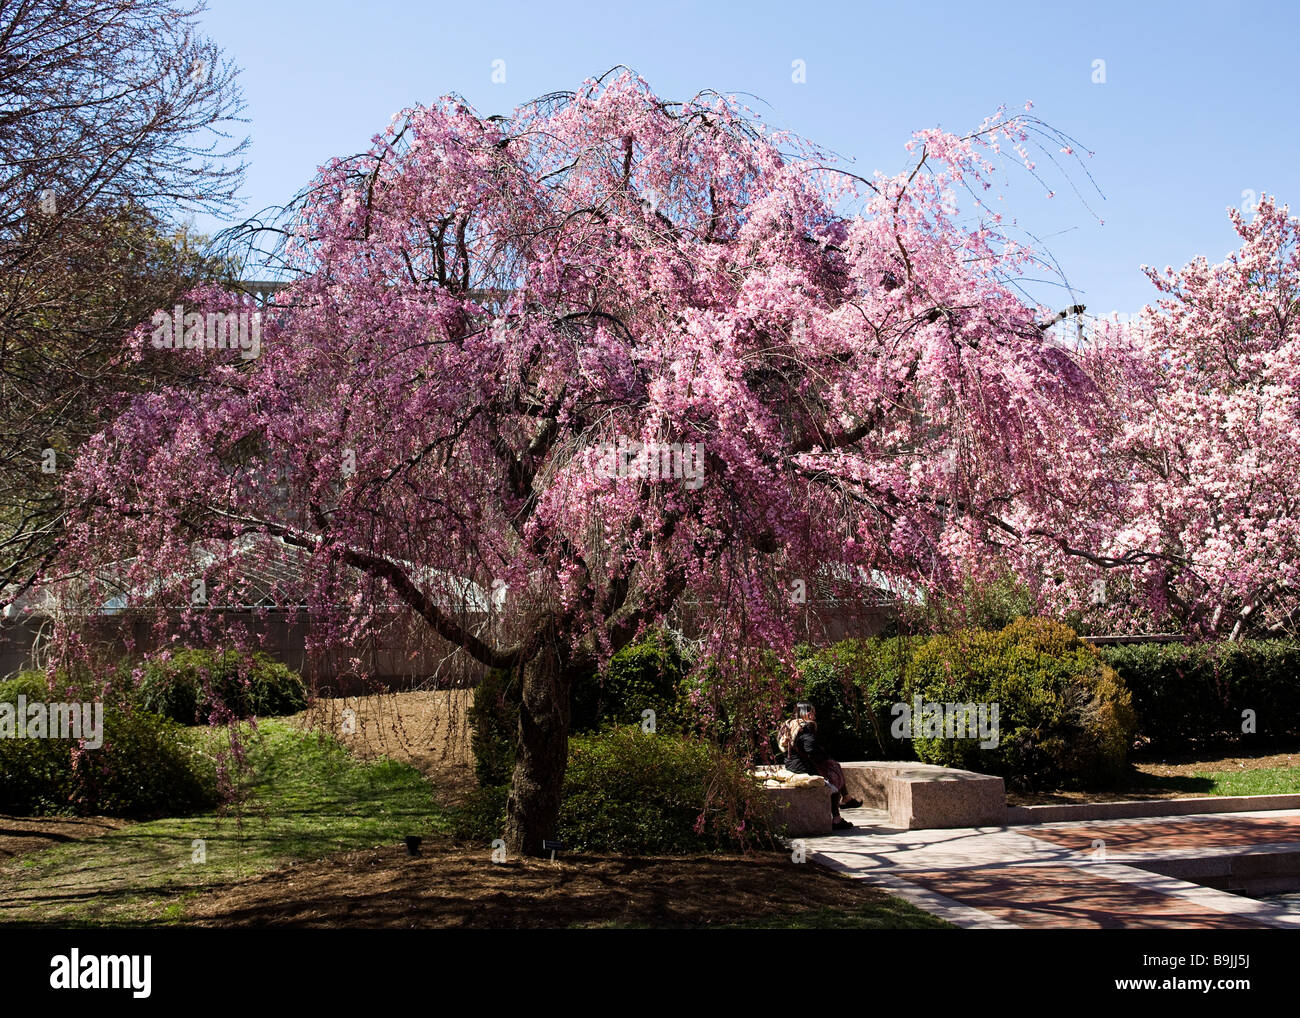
805	752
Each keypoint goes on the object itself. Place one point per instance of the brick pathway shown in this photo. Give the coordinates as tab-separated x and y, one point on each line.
1076	874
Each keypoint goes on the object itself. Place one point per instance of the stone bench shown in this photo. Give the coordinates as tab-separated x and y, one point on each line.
920	796
802	808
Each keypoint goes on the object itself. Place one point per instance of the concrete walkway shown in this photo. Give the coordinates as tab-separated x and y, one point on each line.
1100	874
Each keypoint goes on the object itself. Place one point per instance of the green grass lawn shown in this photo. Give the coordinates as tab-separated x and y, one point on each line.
1213	779
304	797
1265	781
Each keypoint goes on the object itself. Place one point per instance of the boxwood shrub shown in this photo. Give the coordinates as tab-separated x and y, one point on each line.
189	685
1065	717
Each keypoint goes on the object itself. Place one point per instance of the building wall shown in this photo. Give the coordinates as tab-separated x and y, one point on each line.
401	654
394	659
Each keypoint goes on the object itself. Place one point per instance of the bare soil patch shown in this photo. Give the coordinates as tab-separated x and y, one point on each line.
1186	767
428	729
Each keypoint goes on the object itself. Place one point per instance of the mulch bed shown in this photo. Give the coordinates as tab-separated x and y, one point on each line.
453	886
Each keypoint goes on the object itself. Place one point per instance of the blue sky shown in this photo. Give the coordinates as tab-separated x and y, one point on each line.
1197	106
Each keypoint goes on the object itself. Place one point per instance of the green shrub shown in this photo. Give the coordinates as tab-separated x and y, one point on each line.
631	792
734	707
1266	679
482	817
635	793
642	676
30	684
990	603
188	686
494	726
146	766
35	774
1187	695
853	684
827	681
1065	717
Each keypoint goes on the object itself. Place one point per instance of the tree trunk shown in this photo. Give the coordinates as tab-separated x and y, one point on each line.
542	752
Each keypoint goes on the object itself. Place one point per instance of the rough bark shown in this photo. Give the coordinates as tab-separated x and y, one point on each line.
533	808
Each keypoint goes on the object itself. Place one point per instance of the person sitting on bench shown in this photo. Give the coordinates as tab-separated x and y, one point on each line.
806	755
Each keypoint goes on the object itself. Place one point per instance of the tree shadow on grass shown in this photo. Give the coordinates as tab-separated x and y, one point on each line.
456	887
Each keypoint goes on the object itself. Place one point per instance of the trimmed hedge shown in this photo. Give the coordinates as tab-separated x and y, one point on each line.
1194	694
190	685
